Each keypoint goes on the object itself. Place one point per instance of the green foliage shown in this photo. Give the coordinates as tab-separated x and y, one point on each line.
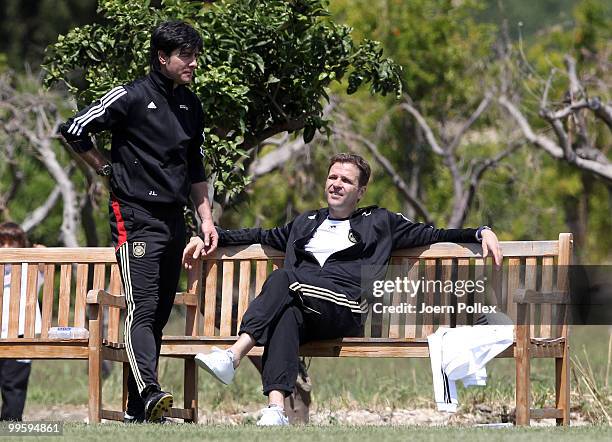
265	67
27	27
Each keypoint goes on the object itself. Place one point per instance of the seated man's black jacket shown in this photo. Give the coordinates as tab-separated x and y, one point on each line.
346	276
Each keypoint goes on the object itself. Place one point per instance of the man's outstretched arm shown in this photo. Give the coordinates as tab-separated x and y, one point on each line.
408	234
276	237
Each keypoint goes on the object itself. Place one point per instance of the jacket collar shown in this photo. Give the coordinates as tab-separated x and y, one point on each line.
164	84
359	212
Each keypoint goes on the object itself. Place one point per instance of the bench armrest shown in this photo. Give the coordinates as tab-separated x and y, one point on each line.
186	298
104	298
530	296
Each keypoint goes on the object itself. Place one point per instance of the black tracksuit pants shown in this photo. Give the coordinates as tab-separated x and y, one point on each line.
14	376
281	319
149	243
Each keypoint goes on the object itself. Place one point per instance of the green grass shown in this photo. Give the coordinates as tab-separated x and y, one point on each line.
186	432
353	383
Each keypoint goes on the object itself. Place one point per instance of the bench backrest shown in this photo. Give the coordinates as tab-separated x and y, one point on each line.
227	281
221	286
68	274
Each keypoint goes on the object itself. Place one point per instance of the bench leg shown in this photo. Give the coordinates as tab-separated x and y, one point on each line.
523	383
124	398
562	386
95	384
191	389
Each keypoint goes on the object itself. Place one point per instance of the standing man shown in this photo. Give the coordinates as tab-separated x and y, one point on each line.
156	163
320	291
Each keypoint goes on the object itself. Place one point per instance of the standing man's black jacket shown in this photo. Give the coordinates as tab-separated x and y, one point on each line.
375	232
157	134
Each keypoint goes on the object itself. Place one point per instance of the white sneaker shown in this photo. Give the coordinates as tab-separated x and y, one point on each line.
273	415
219	363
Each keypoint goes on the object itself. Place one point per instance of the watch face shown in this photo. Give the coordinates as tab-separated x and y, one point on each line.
105	170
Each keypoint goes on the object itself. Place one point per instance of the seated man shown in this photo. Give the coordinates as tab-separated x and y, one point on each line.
319	293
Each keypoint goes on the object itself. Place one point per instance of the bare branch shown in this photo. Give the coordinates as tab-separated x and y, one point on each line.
277	158
401	185
431	139
544	102
601	168
603	111
576	88
16	181
39	214
484	104
71	216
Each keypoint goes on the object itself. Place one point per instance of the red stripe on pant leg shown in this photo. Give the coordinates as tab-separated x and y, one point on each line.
120	224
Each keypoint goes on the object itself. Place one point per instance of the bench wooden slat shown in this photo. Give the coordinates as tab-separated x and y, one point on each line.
114	313
439	250
411	266
480	273
63	312
564	260
239	253
429	298
210	298
463	274
446	299
194	290
545	413
80	295
58	255
509	249
547	286
58	349
47	301
514	282
497	285
256	251
396	300
227	290
2	294
186	299
244	286
531	283
31	301
99	277
261	273
13	321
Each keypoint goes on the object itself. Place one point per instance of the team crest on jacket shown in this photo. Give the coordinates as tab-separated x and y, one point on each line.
139	248
354	236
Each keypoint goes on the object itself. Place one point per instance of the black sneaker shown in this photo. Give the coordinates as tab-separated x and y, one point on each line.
136	418
158	402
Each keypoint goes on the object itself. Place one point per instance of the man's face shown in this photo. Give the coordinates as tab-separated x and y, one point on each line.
179	65
342	188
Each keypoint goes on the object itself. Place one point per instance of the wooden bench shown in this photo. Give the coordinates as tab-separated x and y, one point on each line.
221	287
74	278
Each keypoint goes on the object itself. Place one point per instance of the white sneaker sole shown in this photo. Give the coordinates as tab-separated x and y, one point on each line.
202	364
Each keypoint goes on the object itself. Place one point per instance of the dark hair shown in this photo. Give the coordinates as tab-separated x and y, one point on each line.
12	233
173	35
362	165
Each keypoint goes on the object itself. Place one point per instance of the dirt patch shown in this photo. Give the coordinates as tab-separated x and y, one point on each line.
388	416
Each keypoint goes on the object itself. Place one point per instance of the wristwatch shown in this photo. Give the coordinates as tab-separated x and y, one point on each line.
479	232
105	170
